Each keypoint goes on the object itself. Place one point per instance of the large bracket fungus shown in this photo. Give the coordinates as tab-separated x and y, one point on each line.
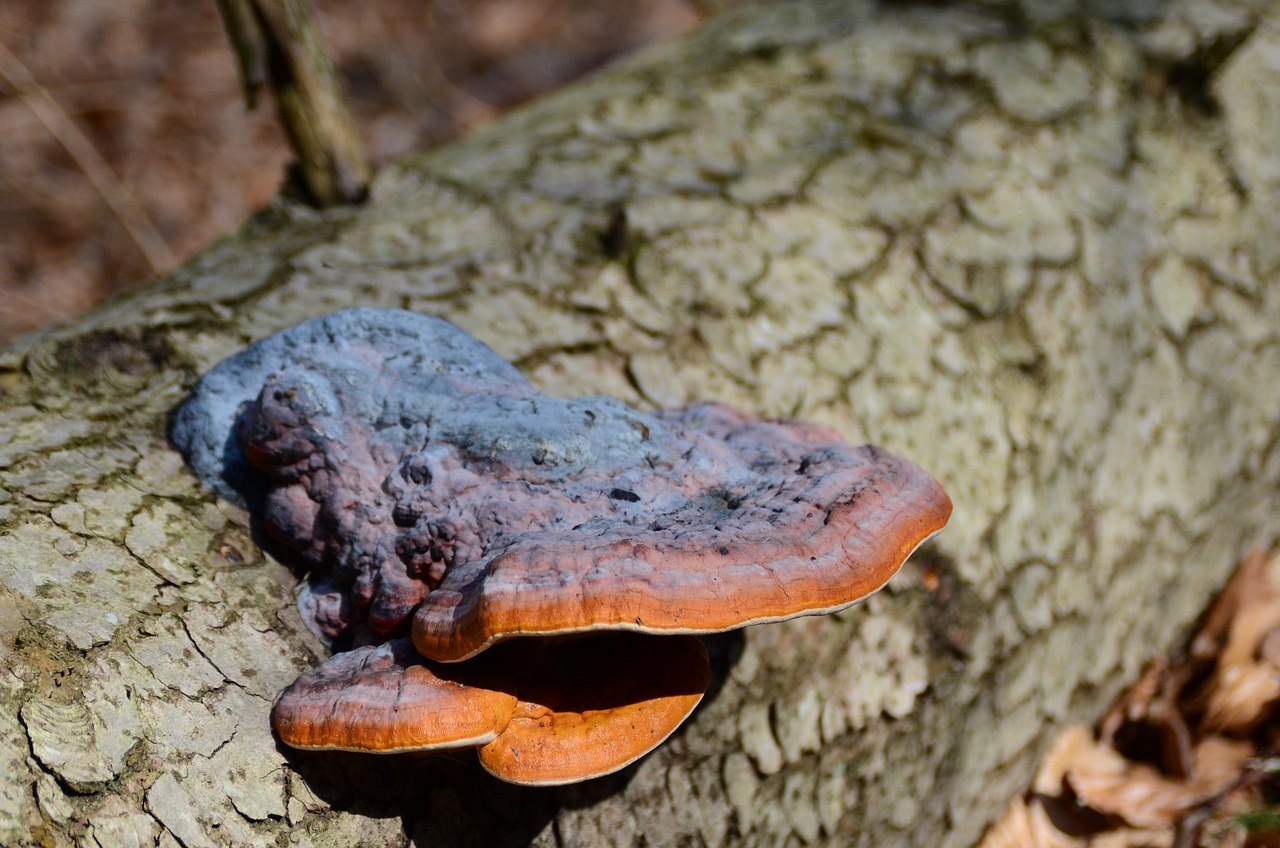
430	490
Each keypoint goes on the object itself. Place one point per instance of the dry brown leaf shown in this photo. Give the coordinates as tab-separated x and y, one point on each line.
1027	825
1233	838
1219	762
1141	795
1259	612
1073	744
1135	704
1129	837
1155	702
1011	830
1244	623
1270	650
1208	640
1243	613
1240	696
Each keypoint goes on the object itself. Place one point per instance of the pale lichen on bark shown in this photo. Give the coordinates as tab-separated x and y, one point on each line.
1030	247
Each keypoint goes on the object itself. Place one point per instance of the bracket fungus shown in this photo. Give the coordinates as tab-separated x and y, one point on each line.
433	493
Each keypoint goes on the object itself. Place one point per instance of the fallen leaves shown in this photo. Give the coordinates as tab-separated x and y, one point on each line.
1189	756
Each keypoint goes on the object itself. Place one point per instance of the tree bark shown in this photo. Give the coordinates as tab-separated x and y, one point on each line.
1033	249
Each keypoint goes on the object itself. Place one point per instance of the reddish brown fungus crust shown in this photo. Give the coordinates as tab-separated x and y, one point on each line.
543	712
412	469
591	706
386	699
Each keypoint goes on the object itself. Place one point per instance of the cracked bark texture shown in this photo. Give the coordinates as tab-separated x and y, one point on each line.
1032	246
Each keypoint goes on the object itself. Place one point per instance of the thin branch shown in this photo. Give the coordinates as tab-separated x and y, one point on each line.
277	42
246	36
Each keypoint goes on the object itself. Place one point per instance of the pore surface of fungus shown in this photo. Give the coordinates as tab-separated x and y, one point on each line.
431	490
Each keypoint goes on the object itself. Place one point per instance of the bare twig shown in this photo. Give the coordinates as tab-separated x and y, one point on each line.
278	44
132	216
247	38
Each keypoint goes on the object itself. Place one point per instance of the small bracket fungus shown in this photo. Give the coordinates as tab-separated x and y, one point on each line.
432	491
541	714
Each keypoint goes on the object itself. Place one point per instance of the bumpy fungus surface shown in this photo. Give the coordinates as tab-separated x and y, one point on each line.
409	465
430	488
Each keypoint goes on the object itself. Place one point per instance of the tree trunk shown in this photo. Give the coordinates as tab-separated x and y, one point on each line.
1037	253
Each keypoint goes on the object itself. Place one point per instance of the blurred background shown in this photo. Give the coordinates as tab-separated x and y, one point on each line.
126	146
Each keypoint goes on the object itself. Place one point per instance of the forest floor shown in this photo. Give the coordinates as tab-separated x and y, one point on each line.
128	146
1189	756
